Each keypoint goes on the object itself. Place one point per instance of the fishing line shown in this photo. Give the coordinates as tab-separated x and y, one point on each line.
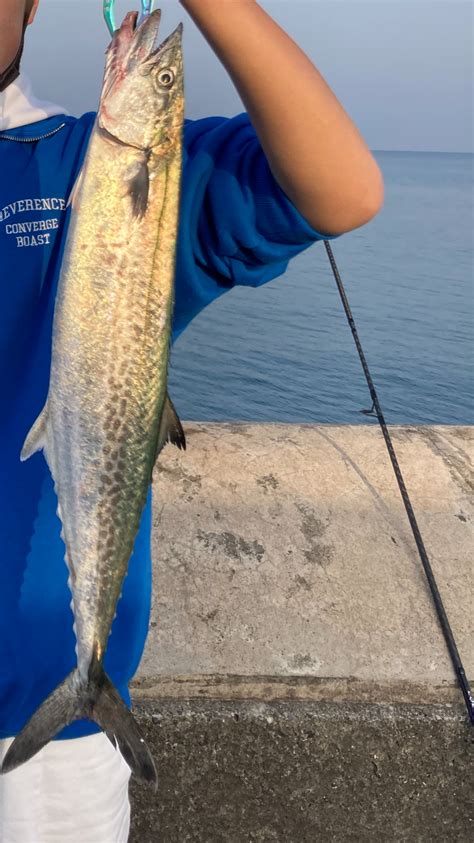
441	612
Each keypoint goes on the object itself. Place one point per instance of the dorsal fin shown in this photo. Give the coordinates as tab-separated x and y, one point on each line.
36	439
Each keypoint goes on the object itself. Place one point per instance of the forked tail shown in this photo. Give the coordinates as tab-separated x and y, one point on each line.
98	700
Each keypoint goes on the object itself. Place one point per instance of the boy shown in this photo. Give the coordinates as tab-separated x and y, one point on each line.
257	190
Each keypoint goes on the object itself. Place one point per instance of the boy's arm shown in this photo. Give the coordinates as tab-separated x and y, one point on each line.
314	150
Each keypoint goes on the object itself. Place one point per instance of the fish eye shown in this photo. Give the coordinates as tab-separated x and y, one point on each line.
166	77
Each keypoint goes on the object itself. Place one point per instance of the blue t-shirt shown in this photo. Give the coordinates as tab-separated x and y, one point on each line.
236	227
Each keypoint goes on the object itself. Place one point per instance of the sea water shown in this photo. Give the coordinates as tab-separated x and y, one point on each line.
284	352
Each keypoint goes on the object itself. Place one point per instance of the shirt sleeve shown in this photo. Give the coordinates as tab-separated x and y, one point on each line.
237	226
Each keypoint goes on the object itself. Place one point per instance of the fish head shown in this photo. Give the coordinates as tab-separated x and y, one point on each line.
142	101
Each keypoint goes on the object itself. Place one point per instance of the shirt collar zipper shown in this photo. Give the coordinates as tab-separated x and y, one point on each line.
32	140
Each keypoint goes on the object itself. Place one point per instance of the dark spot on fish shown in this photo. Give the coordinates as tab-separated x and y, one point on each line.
123	405
121	465
118	476
116	424
105	479
106	449
109	465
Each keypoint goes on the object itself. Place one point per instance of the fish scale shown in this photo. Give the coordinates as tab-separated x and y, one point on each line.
108	414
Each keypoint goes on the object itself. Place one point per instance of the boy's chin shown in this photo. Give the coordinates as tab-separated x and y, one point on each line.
10	66
6	59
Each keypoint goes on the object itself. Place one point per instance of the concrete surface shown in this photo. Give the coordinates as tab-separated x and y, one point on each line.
286	550
305	773
296	685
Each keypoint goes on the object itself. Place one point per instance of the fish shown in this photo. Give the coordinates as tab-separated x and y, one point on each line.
108	413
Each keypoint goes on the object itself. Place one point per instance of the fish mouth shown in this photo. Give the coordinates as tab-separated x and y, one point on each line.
140	41
146	36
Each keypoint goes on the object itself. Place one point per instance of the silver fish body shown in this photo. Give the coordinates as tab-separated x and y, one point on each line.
108	414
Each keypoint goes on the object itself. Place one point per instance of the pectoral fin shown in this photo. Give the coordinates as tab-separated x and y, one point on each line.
138	186
72	201
170	429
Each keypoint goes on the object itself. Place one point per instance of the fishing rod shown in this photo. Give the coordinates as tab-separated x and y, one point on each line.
376	410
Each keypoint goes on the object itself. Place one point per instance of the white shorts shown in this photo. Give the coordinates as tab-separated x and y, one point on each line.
73	791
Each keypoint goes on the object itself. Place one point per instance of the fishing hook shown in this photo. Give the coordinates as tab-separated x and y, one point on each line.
109	13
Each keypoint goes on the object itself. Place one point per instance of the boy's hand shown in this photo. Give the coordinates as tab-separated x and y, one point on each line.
315	151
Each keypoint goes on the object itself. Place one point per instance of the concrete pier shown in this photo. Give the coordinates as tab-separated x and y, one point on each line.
296	685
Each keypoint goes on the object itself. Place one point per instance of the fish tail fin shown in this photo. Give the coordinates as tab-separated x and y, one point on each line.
112	715
98	700
58	710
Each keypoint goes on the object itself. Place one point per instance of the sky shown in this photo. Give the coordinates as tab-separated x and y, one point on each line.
402	69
